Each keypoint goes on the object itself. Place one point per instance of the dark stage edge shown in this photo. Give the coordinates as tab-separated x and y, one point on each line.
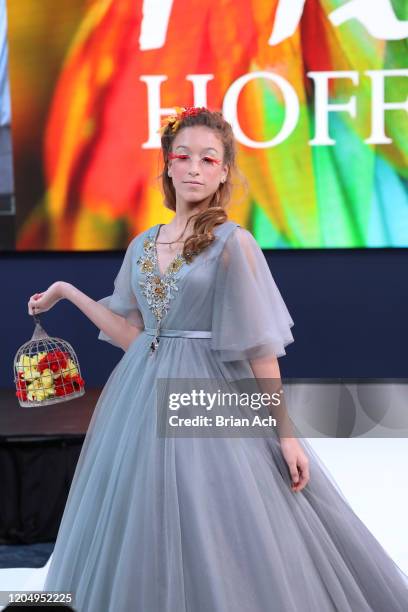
39	450
70	418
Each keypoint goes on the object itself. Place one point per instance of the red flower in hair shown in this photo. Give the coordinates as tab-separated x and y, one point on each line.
192	110
174	120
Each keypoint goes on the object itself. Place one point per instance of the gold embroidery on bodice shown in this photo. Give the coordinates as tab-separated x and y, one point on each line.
158	289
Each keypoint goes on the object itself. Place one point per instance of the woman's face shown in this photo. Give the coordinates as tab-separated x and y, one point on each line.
196	163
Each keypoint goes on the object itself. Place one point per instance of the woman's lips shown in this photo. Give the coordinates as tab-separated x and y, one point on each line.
192	183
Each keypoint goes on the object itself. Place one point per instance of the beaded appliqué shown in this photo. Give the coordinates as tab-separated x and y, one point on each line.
158	290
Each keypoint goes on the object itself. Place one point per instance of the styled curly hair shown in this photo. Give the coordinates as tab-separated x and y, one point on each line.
215	214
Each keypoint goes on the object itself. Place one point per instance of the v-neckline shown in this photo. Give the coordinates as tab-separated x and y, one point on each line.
156	256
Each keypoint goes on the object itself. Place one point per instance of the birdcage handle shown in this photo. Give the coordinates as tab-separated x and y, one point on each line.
39	331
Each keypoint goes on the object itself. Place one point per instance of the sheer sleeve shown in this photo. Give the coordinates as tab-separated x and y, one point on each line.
250	318
123	300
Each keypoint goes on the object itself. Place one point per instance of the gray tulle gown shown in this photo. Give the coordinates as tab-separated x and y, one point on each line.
206	524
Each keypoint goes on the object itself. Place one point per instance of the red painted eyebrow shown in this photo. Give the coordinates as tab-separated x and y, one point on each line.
181	155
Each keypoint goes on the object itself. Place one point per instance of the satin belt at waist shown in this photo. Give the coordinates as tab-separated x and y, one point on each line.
179	333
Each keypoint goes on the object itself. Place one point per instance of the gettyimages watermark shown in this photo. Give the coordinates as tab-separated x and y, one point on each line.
295	407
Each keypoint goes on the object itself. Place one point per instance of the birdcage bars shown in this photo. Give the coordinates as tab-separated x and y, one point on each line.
46	370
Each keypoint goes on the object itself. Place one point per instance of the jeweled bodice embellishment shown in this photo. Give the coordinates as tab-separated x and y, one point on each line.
158	290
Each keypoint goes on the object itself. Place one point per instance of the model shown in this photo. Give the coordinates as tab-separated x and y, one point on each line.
203	523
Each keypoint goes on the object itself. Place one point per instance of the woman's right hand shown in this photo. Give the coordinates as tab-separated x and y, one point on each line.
41	302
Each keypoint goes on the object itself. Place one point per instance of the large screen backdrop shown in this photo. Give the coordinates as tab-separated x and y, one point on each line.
316	92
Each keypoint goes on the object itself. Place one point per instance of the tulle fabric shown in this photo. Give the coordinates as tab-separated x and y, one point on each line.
123	300
197	524
170	524
250	318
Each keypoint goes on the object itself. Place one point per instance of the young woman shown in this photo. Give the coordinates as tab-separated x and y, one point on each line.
195	523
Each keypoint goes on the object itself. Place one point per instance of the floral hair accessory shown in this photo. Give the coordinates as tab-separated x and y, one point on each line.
181	113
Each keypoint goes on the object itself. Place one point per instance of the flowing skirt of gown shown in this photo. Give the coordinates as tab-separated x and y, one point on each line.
206	524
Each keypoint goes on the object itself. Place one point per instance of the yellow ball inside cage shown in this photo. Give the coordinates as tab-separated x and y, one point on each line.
46	370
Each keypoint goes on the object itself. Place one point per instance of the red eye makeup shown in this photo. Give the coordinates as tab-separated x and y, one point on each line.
177	156
212	159
183	156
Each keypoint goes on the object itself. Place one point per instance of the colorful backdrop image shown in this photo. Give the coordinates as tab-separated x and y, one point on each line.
316	92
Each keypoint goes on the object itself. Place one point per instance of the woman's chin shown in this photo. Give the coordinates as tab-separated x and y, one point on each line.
195	198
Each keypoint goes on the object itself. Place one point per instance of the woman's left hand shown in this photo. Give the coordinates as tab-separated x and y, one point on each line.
297	461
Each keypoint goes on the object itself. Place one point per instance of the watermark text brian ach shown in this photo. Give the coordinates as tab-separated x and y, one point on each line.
210	401
222	421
